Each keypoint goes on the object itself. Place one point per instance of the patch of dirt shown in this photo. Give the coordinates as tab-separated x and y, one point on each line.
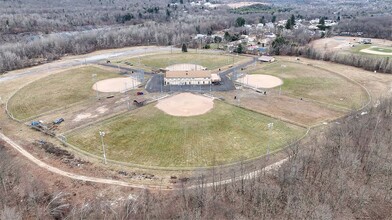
261	81
102	109
297	111
83	116
186	104
120	84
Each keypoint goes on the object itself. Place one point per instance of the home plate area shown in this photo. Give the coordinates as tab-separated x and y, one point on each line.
186	104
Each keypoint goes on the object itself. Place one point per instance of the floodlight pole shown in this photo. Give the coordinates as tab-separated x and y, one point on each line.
270	126
102	134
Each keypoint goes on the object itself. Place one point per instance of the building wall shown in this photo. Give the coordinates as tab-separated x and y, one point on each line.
187	81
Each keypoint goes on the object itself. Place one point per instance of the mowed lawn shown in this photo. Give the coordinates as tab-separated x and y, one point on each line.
357	50
148	136
210	61
56	91
303	81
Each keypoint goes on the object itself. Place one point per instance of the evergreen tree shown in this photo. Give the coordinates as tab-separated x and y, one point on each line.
240	48
227	37
273	20
184	48
239	22
292	20
288	24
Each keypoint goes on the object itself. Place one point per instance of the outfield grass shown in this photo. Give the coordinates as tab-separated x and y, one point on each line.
56	91
357	50
147	136
309	82
211	61
382	49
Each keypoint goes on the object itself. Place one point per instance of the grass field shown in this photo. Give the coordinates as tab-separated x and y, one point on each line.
357	50
211	61
147	136
56	91
308	82
382	49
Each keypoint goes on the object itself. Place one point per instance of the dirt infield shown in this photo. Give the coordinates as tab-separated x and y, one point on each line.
185	67
370	51
261	81
116	84
186	104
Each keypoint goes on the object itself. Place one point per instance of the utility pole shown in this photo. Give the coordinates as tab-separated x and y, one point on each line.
102	134
270	126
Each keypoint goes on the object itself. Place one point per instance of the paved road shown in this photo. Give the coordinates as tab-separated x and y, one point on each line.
80	60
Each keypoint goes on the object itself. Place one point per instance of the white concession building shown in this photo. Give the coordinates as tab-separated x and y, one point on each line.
188	77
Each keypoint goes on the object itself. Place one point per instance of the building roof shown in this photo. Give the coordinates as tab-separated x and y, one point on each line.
188	74
266	58
215	78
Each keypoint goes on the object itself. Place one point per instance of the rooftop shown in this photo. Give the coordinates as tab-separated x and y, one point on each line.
188	74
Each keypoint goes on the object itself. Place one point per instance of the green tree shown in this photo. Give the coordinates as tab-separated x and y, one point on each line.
273	20
288	24
227	37
184	48
240	48
322	21
167	13
292	20
262	20
239	22
321	24
217	39
277	44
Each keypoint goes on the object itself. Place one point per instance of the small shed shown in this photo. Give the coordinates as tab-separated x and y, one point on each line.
267	59
215	78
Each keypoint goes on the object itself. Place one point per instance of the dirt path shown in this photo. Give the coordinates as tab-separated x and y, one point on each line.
64	173
55	170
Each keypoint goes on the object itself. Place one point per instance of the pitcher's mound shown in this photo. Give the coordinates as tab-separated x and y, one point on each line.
186	104
261	81
116	84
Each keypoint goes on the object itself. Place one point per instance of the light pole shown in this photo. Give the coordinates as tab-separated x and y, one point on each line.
102	134
270	126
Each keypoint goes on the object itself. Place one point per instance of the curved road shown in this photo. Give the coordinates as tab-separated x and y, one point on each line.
122	183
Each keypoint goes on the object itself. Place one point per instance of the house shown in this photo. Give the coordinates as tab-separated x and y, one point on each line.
266	59
270	35
188	77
